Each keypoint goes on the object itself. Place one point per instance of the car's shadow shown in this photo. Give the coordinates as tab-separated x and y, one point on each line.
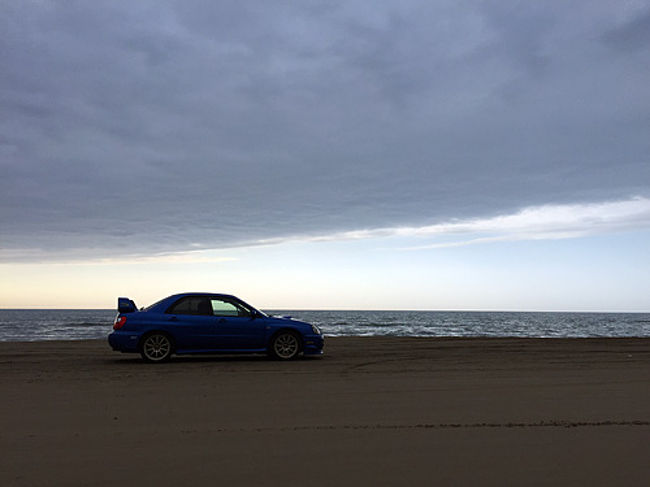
210	358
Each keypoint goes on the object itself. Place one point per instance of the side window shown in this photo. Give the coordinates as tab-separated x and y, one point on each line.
191	306
226	308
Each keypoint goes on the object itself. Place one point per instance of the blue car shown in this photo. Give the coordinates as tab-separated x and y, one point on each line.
209	323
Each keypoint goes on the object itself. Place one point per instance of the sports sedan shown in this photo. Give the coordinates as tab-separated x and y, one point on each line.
209	323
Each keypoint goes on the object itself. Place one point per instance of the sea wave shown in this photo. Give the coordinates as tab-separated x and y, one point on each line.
30	325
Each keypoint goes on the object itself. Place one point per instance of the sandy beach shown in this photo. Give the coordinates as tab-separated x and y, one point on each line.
372	411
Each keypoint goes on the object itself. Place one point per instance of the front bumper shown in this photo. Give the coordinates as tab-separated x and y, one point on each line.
313	345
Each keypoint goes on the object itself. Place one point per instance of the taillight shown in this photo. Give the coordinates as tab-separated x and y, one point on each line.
119	322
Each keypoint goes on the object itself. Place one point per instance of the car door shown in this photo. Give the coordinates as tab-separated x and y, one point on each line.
236	326
193	324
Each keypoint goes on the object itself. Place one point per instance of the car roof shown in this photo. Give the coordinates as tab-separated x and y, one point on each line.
182	295
162	305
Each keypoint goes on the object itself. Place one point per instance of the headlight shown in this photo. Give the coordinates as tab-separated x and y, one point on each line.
315	329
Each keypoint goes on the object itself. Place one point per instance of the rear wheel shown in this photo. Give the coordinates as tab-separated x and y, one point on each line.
156	347
285	346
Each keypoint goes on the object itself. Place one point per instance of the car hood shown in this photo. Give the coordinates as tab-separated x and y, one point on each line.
288	320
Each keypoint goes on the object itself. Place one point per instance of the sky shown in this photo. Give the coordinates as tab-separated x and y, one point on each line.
321	154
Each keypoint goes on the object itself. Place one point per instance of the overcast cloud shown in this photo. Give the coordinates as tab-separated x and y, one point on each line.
140	127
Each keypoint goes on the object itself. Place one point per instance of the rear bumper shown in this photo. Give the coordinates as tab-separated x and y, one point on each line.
121	341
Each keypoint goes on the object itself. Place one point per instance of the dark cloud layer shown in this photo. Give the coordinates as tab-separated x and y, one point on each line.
132	127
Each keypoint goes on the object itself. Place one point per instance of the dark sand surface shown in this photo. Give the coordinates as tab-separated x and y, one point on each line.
372	411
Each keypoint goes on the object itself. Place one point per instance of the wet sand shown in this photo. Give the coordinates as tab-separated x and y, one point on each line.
372	411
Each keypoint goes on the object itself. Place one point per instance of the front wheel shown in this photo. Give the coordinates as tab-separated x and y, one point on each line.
156	347
285	346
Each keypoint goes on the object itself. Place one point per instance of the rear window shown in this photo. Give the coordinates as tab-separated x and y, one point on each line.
154	304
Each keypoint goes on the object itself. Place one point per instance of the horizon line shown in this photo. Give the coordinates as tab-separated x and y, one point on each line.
448	310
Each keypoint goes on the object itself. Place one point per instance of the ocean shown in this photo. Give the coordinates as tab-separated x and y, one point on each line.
64	324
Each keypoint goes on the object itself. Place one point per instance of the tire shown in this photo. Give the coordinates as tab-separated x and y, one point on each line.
286	345
156	347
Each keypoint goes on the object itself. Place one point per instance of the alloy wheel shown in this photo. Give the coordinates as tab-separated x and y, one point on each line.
156	348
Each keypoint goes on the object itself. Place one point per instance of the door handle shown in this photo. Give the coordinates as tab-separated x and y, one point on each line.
173	318
221	320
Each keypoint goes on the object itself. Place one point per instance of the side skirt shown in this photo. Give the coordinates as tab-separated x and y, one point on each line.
229	350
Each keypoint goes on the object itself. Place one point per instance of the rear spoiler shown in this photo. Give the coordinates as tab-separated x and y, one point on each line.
126	305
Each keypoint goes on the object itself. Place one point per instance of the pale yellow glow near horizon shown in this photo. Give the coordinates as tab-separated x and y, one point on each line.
47	286
95	285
